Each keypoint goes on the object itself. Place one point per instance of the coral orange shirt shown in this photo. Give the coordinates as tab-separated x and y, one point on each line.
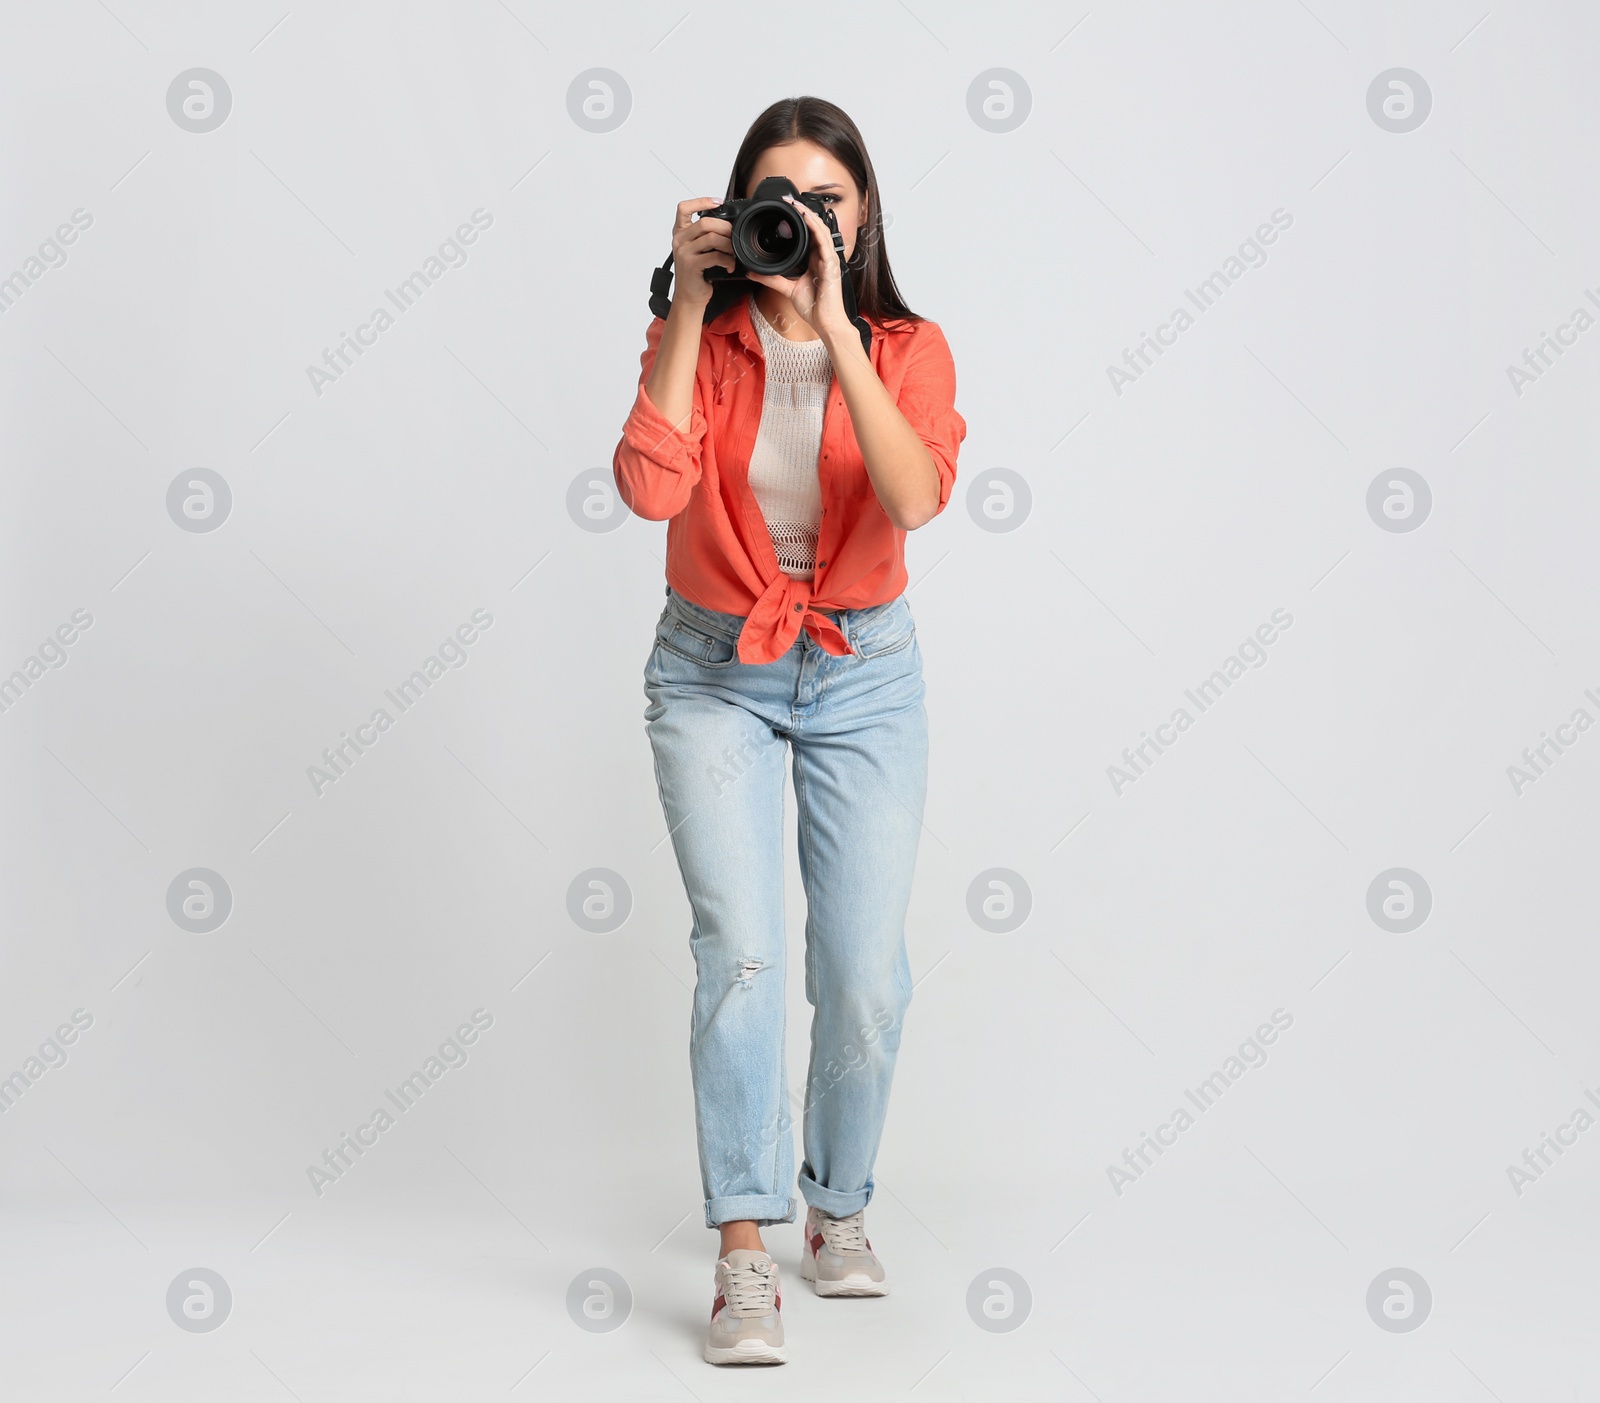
719	551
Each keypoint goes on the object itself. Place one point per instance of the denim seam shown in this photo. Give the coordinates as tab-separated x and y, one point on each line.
701	662
891	651
808	841
783	1040
710	630
692	626
715	624
895	647
655	764
876	613
694	914
782	1096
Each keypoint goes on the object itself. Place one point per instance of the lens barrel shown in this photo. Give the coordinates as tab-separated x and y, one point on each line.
769	236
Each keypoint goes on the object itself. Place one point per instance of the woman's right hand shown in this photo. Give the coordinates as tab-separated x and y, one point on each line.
698	244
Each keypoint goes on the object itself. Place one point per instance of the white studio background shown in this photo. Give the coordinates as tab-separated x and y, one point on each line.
1348	834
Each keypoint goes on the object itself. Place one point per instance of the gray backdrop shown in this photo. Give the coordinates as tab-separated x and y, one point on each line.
1253	1041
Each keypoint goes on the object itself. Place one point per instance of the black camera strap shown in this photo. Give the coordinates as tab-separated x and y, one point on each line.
847	288
729	290
661	290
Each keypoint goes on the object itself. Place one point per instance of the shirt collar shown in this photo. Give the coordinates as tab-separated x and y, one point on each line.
735	321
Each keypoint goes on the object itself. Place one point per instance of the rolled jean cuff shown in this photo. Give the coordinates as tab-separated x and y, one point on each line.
831	1201
764	1209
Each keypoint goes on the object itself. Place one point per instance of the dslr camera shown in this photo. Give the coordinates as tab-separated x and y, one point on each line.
770	237
769	234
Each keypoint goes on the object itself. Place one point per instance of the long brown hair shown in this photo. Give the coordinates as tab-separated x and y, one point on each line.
817	120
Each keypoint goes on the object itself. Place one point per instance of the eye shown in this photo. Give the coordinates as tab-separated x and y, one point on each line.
834	199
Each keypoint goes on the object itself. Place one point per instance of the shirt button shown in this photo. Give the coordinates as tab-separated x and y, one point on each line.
821	563
798	607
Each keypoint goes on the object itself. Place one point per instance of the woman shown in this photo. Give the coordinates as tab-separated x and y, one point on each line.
790	461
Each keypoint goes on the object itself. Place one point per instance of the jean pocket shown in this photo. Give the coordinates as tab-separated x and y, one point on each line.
699	645
886	629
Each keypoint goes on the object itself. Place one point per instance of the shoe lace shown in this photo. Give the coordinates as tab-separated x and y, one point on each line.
845	1234
750	1289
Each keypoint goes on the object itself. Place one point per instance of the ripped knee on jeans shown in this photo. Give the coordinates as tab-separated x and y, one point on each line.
747	970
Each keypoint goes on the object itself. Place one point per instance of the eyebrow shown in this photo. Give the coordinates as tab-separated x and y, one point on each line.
828	185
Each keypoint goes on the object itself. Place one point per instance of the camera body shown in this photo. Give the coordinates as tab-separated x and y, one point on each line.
769	235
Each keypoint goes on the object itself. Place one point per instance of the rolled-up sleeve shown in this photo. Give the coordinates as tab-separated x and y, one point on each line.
656	465
927	399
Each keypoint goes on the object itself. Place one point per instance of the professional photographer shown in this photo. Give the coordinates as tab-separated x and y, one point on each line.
793	420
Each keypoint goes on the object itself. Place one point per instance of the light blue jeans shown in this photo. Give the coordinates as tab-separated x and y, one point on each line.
859	735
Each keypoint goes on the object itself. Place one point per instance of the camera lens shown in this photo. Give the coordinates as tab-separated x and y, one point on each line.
772	239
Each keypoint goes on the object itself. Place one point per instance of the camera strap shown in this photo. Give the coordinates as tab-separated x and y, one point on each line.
661	289
847	288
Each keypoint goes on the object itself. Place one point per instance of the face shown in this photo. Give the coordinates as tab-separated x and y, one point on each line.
814	171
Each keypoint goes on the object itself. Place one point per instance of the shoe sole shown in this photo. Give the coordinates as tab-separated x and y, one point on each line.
851	1286
747	1352
856	1284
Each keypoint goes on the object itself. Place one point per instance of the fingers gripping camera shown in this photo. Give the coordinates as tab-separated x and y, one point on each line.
769	237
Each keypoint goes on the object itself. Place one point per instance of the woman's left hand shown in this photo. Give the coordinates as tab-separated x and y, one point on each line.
816	293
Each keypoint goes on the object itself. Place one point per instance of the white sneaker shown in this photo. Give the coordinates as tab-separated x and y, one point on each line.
746	1321
838	1259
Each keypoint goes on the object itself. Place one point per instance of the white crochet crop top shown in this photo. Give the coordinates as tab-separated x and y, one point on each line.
783	463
